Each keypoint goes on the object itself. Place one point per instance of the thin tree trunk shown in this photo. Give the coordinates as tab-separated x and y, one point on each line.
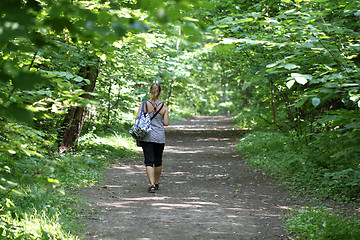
273	107
109	105
170	93
75	118
244	98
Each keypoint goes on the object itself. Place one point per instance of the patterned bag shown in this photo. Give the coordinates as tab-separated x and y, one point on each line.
142	124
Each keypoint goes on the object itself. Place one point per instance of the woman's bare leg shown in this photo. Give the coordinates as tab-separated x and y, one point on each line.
151	175
158	171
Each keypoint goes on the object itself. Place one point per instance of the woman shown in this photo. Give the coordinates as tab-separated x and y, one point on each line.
154	142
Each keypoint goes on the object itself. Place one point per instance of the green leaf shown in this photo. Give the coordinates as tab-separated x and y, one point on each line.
58	24
301	102
119	29
49	170
17	192
12	151
163	16
315	102
28	80
246	85
188	29
20	114
272	65
52	180
139	26
45	92
244	20
290	83
290	66
66	75
78	79
308	45
301	78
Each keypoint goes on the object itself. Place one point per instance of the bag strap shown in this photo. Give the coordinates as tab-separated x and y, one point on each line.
156	113
142	108
147	111
142	111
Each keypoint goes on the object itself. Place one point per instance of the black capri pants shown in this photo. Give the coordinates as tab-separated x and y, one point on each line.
153	153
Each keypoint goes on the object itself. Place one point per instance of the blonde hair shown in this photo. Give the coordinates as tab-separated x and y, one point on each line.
155	90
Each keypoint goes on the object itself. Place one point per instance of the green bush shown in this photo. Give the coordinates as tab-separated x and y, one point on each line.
34	226
35	203
303	167
248	118
180	113
344	182
258	118
328	167
321	223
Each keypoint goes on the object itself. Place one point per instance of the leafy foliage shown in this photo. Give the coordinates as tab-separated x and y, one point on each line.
41	207
44	46
287	65
304	168
311	170
322	223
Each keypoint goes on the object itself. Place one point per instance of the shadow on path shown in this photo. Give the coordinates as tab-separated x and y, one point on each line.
206	192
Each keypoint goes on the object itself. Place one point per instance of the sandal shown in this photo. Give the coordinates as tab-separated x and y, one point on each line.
151	189
157	186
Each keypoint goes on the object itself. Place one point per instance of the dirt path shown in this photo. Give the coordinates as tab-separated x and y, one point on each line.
206	192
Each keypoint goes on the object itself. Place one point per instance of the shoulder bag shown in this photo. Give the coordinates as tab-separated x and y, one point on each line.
142	125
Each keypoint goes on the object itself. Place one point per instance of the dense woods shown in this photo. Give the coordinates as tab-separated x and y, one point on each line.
72	71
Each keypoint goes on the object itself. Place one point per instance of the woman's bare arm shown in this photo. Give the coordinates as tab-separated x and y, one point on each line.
139	110
166	120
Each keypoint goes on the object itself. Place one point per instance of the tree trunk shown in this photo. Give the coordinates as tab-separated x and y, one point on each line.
273	107
108	105
75	118
170	94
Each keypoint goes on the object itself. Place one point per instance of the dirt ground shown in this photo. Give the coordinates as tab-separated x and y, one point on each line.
206	192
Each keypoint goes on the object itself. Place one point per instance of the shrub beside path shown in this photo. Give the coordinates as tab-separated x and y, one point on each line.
206	192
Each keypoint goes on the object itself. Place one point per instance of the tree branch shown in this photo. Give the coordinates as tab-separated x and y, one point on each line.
33	60
270	123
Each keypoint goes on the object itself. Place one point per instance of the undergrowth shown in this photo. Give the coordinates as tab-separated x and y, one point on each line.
317	169
322	223
180	114
39	205
307	169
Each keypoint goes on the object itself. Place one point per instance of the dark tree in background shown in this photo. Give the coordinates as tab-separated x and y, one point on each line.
74	120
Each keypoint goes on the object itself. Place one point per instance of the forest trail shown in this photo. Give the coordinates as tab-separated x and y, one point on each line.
206	192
